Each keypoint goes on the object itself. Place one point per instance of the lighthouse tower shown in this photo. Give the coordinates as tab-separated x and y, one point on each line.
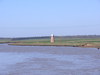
52	38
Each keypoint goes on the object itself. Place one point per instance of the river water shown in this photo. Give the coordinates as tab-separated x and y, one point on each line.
48	60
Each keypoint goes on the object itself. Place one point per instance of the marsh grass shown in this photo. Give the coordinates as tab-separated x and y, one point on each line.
87	42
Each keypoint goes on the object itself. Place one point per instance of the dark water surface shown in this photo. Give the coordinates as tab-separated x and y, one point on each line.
48	60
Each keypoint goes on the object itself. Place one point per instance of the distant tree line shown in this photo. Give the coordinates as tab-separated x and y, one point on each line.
48	37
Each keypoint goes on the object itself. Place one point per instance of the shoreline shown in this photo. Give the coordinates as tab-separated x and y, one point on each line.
51	44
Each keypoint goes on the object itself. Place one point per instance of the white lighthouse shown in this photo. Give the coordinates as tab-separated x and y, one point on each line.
52	40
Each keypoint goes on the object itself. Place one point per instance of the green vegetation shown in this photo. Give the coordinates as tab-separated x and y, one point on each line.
79	42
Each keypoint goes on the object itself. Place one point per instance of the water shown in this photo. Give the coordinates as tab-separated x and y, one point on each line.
48	60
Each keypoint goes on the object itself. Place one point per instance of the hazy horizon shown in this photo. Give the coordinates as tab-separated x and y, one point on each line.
22	18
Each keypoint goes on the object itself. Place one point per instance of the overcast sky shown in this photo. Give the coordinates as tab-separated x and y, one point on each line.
25	18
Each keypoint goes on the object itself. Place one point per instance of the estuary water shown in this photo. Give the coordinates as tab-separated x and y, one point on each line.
48	60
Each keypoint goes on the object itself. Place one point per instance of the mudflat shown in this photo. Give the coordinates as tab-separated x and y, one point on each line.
48	60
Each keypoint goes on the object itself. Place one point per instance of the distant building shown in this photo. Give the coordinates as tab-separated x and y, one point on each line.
52	40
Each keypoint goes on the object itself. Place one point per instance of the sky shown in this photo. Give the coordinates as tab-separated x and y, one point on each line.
27	18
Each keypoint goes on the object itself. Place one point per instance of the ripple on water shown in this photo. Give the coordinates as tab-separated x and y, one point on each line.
23	63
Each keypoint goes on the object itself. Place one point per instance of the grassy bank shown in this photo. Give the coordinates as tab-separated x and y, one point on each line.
79	42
